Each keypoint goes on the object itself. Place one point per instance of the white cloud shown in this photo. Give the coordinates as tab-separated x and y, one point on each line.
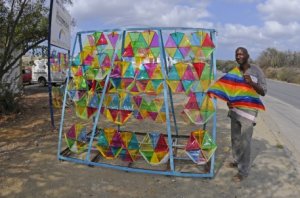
280	25
280	29
280	10
231	36
139	13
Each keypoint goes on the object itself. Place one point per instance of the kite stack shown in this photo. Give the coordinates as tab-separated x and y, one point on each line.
140	71
200	147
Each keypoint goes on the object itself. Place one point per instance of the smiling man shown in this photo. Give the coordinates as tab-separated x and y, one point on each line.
243	120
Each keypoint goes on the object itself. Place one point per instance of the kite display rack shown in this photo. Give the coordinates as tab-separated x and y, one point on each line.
134	72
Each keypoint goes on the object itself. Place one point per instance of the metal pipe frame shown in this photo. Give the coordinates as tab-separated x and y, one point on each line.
172	172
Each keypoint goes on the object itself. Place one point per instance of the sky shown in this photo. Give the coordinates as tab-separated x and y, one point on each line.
254	24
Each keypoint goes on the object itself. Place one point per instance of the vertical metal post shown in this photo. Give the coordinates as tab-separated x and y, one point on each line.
123	41
170	93
163	63
49	68
122	51
99	107
80	41
65	99
214	130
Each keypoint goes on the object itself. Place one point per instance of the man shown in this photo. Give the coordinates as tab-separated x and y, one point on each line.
243	120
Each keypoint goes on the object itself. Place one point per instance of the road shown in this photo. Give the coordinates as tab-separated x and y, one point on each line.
287	92
283	107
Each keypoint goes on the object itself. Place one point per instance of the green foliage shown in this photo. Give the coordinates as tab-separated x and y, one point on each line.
24	25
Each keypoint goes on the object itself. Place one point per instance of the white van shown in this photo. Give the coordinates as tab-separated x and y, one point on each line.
40	73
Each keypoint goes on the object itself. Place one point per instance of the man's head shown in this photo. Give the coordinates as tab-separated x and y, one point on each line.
241	56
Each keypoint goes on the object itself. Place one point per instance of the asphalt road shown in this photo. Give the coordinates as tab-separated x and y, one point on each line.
283	107
287	92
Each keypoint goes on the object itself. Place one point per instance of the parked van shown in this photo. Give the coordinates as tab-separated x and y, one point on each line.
40	73
26	75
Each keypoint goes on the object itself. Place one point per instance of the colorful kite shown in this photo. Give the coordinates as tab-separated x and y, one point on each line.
130	148
200	147
152	40
109	143
203	69
181	77
146	108
232	88
154	149
178	45
122	77
199	108
141	45
76	138
149	79
118	108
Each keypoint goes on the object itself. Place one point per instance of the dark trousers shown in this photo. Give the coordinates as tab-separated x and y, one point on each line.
241	137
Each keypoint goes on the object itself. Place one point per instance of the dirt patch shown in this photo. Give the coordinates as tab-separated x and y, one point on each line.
29	165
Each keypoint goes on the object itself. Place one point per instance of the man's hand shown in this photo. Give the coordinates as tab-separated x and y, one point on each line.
248	79
255	86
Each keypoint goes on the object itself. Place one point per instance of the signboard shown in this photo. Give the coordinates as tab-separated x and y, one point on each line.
60	26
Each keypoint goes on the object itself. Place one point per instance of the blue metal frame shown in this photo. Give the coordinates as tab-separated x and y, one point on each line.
164	72
49	68
64	102
214	132
100	105
172	172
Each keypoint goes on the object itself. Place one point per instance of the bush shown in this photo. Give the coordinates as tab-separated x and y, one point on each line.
296	79
271	73
9	102
289	74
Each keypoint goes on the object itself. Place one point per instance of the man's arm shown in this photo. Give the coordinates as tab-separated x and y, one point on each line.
255	86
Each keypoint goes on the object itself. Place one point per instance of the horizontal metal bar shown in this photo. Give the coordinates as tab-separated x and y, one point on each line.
147	28
178	146
138	170
145	133
182	158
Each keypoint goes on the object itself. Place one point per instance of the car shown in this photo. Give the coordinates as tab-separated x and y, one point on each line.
26	75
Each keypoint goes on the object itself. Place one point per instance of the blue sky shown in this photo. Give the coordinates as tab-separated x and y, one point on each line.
254	24
231	11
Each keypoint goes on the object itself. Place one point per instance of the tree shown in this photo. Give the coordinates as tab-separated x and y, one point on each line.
24	25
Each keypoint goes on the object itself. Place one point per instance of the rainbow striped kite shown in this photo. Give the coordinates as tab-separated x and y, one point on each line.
232	88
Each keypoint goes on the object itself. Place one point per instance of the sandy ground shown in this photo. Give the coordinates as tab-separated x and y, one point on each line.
29	166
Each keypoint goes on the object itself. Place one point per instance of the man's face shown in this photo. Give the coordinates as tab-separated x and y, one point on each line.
241	57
